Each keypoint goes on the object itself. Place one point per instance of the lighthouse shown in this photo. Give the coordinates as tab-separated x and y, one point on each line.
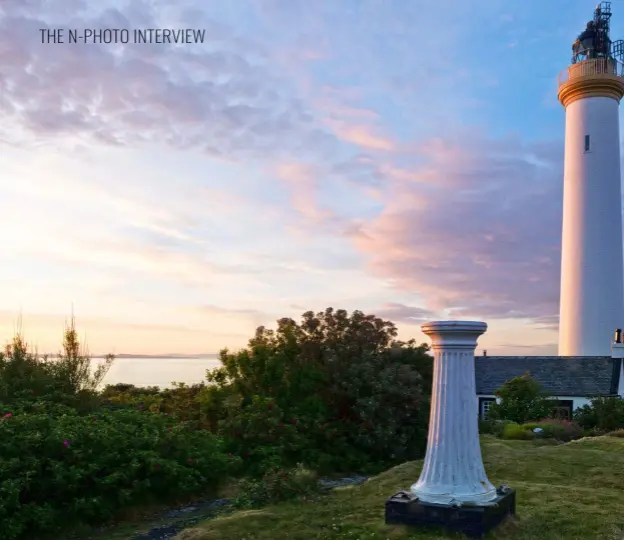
592	277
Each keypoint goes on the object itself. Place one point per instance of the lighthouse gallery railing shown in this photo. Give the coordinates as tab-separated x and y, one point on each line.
592	67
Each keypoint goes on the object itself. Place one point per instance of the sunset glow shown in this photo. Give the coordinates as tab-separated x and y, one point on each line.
355	154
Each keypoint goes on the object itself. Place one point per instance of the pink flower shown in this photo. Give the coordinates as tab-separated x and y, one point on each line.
8	415
65	444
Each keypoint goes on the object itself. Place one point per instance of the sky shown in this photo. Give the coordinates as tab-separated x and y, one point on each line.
400	158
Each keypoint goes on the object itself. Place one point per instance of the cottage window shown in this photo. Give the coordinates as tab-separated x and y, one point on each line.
484	406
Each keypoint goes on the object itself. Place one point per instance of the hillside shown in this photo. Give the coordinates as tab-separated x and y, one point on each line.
565	492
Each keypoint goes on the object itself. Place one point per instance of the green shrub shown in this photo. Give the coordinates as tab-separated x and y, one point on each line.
275	486
517	432
521	400
181	400
616	433
60	467
606	413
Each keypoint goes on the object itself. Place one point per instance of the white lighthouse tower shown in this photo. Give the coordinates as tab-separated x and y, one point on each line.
592	277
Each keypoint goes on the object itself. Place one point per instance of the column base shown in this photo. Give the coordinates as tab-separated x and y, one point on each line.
473	520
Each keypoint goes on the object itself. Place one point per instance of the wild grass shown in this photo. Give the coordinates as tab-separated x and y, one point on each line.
569	491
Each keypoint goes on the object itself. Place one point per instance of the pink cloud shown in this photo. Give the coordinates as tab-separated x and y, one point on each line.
361	135
481	236
301	179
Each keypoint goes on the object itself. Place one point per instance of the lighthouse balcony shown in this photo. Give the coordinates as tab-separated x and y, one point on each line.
592	68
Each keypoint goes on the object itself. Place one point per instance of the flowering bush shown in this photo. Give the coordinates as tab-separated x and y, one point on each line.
59	467
561	430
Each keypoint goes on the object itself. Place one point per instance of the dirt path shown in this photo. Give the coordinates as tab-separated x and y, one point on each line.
172	521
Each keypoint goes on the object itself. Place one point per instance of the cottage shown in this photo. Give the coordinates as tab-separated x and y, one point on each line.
571	381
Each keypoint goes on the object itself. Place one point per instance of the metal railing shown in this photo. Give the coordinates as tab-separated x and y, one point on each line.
592	67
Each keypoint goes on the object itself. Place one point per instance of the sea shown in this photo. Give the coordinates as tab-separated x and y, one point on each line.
159	371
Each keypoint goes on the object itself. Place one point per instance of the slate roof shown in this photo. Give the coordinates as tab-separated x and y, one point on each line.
558	375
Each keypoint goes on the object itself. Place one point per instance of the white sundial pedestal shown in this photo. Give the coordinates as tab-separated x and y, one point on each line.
453	470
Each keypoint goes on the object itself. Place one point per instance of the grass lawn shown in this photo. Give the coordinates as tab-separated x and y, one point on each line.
564	492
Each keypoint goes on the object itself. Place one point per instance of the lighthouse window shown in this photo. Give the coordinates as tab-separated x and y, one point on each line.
586	143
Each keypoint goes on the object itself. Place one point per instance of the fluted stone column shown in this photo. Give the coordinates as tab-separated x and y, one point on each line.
453	471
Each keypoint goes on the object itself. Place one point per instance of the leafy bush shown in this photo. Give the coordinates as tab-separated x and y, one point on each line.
606	413
58	466
616	433
517	432
561	430
521	400
358	396
275	486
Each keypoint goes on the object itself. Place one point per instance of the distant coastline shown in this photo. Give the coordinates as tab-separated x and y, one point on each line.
155	356
163	356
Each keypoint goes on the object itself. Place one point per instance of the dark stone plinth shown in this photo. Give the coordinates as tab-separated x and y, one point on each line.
472	520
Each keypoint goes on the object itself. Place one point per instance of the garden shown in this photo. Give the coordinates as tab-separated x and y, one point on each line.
331	395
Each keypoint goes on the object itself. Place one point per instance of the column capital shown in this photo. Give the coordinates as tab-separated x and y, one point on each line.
454	334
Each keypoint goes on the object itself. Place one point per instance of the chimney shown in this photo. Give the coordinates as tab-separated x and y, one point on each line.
617	347
484	352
